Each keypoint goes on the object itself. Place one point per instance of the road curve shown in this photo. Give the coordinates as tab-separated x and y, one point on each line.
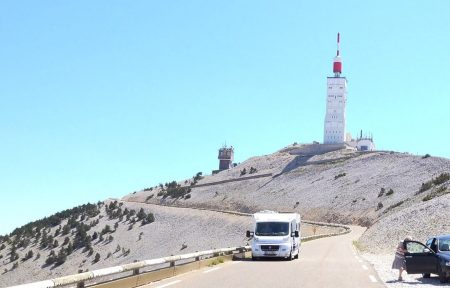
326	262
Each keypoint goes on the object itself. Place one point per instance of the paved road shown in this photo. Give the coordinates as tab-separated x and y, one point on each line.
327	262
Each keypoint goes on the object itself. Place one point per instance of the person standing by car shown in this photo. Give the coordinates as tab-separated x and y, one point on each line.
399	260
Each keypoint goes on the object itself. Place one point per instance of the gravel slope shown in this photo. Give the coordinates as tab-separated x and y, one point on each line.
341	186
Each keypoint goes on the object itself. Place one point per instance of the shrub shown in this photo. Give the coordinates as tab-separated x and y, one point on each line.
106	229
198	177
444	177
29	255
141	214
252	170
339	176
428	197
110	238
117	248
150	218
379	206
382	191
243	172
15	265
97	258
425	186
187	196
51	258
390	192
61	258
2	247
426	156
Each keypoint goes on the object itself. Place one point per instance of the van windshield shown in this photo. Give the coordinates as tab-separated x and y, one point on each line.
272	229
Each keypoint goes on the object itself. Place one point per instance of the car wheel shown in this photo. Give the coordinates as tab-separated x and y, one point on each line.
442	276
426	275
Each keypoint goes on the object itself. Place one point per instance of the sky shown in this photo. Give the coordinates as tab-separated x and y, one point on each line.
102	98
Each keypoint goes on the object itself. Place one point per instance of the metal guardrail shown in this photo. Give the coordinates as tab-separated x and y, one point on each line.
79	279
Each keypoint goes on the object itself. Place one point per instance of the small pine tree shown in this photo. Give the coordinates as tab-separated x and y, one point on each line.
97	258
95	236
66	241
141	214
61	258
117	248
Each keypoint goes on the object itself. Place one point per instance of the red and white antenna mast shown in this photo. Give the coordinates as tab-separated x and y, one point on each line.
337	62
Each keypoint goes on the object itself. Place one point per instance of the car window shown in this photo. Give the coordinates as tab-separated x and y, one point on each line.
415	247
444	245
429	242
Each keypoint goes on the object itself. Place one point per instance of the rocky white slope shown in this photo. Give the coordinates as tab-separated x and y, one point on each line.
342	186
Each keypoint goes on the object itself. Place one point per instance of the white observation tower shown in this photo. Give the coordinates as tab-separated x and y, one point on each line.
334	126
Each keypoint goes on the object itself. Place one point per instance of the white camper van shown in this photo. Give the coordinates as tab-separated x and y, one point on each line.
275	235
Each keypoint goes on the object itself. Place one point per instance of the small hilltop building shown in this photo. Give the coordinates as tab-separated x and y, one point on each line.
226	158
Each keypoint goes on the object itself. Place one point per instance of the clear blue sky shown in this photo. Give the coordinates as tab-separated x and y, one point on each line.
101	98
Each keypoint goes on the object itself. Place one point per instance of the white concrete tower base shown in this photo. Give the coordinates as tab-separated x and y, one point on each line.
334	129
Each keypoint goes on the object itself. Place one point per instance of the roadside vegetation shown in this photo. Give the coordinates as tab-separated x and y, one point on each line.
58	236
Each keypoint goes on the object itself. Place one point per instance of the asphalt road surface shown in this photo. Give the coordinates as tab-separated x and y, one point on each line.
326	262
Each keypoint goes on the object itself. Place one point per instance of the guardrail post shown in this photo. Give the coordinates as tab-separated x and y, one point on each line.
80	284
135	270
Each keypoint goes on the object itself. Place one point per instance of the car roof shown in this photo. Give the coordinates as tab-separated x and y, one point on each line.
442	237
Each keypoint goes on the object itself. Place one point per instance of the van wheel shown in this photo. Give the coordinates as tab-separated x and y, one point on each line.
296	255
426	275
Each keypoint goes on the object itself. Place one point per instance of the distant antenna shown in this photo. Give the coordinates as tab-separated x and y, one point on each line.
337	54
337	62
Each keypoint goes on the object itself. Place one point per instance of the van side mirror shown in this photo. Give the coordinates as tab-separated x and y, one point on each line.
249	234
297	234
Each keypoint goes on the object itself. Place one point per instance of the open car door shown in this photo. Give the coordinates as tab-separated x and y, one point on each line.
420	259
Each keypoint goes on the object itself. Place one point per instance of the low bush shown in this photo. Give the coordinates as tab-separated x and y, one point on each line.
390	192
339	176
379	206
382	191
425	186
444	177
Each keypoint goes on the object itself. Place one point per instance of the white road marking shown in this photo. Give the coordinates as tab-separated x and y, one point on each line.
373	279
168	284
211	270
365	267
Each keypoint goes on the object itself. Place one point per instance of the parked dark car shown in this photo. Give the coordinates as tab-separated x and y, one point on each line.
433	257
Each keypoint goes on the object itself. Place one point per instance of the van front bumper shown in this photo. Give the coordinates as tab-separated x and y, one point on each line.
271	250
